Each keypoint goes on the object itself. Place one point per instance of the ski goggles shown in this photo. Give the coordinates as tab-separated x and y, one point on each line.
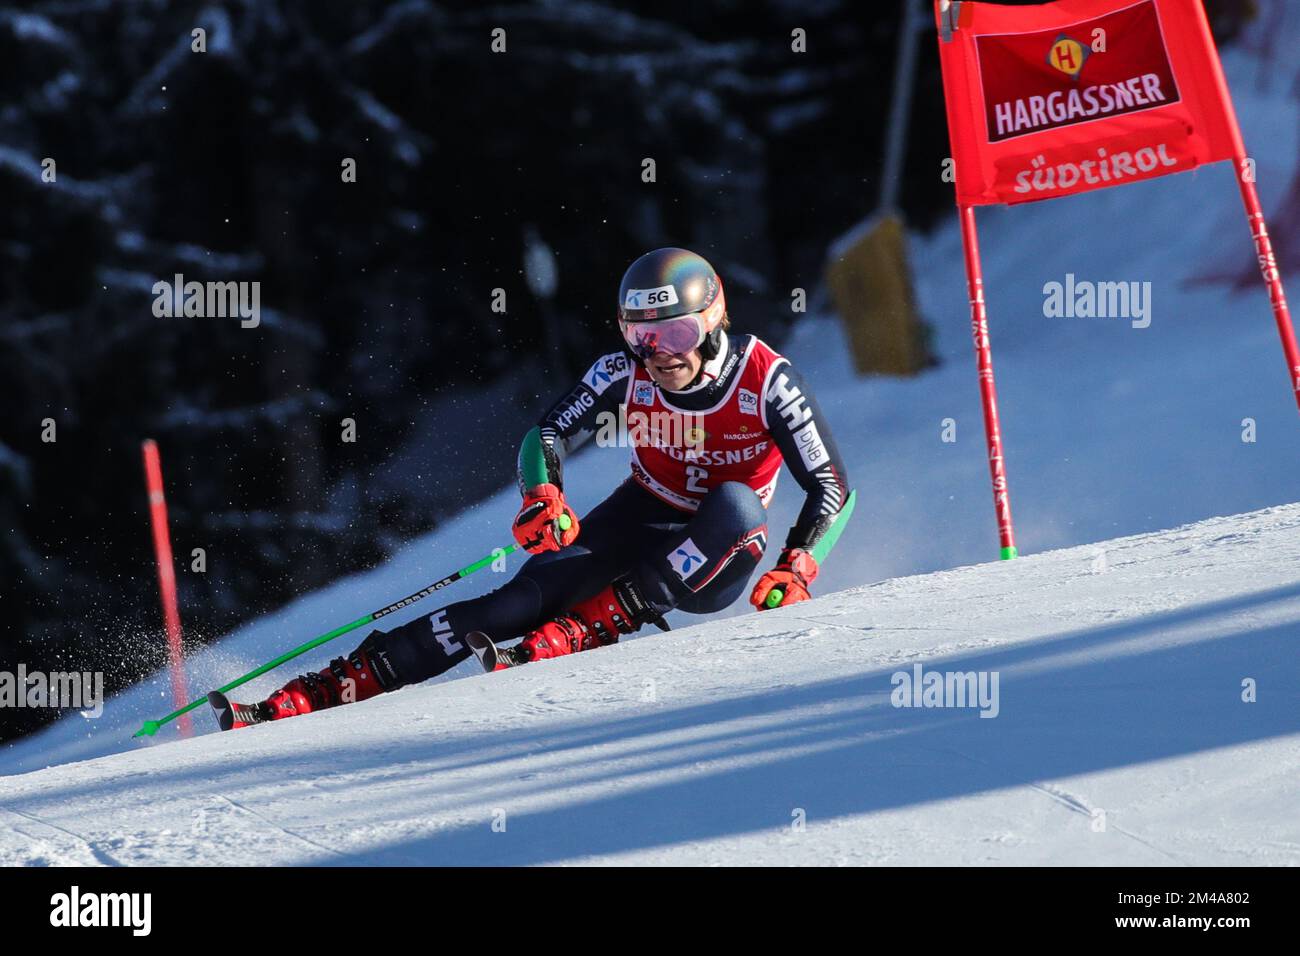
677	336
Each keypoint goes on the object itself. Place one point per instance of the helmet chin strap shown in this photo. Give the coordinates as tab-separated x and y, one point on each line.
698	375
711	345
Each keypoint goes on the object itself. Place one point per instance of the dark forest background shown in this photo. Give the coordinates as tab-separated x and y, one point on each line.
376	295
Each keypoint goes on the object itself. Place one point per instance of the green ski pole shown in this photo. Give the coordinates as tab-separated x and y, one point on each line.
151	727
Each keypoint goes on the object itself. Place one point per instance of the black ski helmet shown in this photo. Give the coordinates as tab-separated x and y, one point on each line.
669	282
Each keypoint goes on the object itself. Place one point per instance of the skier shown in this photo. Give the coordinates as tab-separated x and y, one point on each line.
709	417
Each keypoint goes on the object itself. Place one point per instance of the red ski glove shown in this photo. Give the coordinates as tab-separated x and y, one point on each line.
545	522
788	582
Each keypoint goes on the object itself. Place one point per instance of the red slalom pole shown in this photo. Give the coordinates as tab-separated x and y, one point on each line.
1268	266
162	547
1272	275
979	321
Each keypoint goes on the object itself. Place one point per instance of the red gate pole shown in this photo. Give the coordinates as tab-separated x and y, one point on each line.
1254	213
1272	274
162	546
979	321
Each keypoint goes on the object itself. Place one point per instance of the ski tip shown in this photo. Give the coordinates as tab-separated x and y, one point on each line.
484	649
225	714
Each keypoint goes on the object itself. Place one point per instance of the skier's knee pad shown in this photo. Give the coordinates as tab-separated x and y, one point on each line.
732	507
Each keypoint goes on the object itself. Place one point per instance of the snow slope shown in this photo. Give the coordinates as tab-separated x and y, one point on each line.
1109	430
1121	737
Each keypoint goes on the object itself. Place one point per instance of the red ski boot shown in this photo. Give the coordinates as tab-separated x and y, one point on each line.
595	622
345	681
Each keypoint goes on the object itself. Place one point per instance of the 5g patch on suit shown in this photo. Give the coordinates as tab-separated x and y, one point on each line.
605	371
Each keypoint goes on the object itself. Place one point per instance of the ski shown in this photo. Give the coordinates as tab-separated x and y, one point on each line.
493	658
484	649
231	716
